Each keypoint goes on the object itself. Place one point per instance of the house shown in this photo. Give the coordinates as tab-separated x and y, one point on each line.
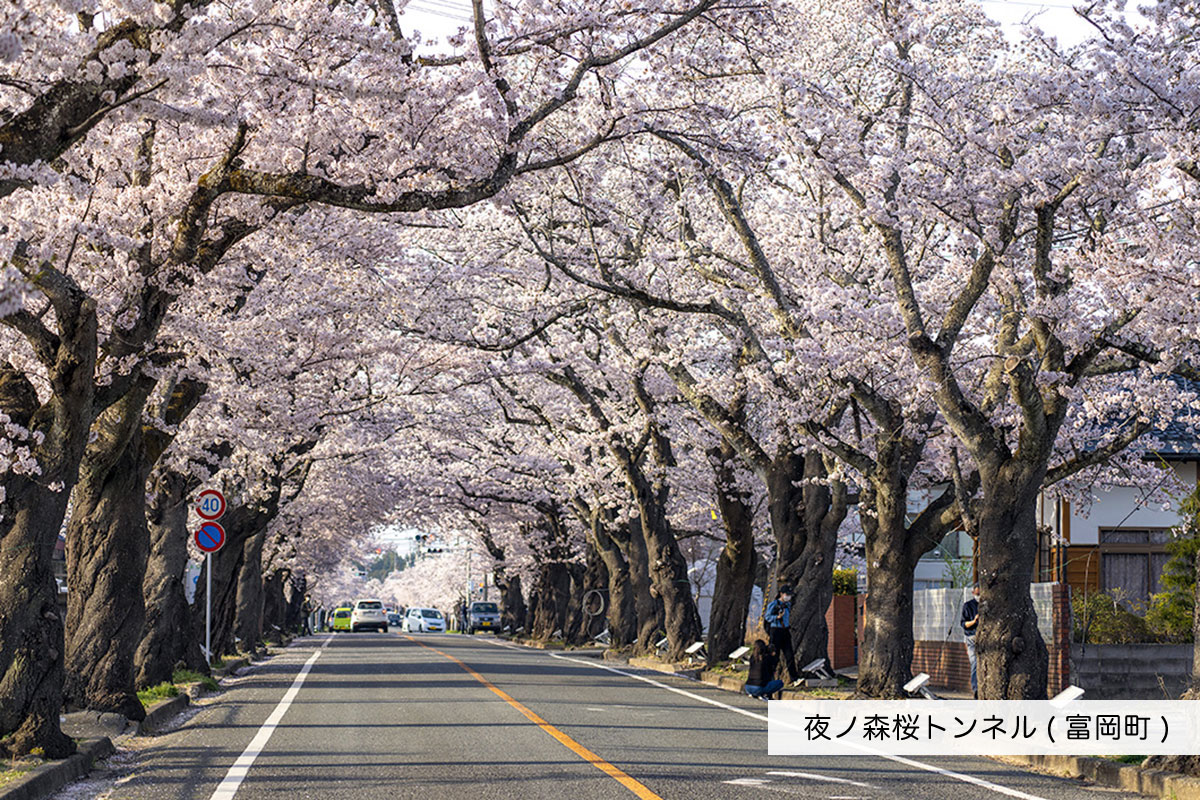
1117	543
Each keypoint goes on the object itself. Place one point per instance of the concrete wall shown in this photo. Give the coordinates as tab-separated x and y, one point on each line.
1132	671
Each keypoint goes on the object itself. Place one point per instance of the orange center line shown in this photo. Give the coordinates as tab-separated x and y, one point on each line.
621	777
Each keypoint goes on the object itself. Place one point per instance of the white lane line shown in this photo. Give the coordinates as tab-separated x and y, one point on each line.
822	778
971	779
747	782
237	773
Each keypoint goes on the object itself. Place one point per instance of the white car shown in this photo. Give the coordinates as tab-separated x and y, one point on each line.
368	614
424	620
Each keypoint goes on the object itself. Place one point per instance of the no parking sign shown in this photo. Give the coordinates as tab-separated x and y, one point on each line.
210	537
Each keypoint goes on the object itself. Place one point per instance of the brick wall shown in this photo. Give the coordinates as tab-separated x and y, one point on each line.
946	663
839	618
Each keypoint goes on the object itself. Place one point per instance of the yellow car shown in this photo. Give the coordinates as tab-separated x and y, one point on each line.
341	619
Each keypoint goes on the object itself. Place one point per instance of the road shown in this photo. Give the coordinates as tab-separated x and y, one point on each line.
391	716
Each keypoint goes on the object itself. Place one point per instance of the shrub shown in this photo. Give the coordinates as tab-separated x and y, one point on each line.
845	581
1102	618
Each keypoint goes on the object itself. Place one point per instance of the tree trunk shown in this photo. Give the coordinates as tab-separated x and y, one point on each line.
805	517
31	629
274	605
648	607
736	563
669	580
593	581
550	615
248	616
168	635
31	515
620	606
582	578
1012	658
512	603
885	659
107	547
296	608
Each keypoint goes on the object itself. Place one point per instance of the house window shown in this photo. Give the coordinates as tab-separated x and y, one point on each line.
1132	561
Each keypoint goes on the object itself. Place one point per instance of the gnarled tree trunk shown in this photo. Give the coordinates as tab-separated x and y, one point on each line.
107	546
274	605
1013	662
647	606
513	611
248	614
553	600
620	608
168	636
31	515
736	562
806	512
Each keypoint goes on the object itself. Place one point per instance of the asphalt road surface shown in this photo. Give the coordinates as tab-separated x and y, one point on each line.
391	716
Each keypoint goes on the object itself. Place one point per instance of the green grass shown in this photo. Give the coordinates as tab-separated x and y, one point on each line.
1128	759
156	693
9	775
182	676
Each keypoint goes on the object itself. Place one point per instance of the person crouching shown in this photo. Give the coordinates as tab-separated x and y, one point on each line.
761	682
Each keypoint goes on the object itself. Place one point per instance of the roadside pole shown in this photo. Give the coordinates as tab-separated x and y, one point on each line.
210	537
208	610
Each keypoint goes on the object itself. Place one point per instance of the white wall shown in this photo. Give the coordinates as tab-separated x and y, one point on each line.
1124	506
937	613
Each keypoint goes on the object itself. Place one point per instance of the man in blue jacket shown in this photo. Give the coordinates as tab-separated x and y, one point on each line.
777	618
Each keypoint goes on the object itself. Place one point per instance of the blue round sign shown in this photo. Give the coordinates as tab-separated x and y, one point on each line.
210	537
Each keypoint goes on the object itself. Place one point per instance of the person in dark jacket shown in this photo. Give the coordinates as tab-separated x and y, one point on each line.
778	618
761	682
970	626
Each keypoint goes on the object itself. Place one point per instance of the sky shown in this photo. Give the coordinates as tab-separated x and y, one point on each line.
442	18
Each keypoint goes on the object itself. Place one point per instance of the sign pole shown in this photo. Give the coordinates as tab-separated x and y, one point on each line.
210	537
208	611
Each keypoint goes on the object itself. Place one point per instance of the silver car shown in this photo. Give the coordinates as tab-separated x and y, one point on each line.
483	616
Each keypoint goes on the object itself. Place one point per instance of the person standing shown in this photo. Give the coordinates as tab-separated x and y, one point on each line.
761	682
970	626
778	618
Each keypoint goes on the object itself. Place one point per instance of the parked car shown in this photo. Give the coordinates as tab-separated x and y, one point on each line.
424	620
395	619
341	619
482	616
368	615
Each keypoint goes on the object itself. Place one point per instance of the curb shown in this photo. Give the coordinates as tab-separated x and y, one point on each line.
732	684
661	666
230	668
162	712
49	778
1112	774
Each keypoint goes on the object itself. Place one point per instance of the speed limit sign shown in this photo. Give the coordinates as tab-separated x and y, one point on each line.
210	504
